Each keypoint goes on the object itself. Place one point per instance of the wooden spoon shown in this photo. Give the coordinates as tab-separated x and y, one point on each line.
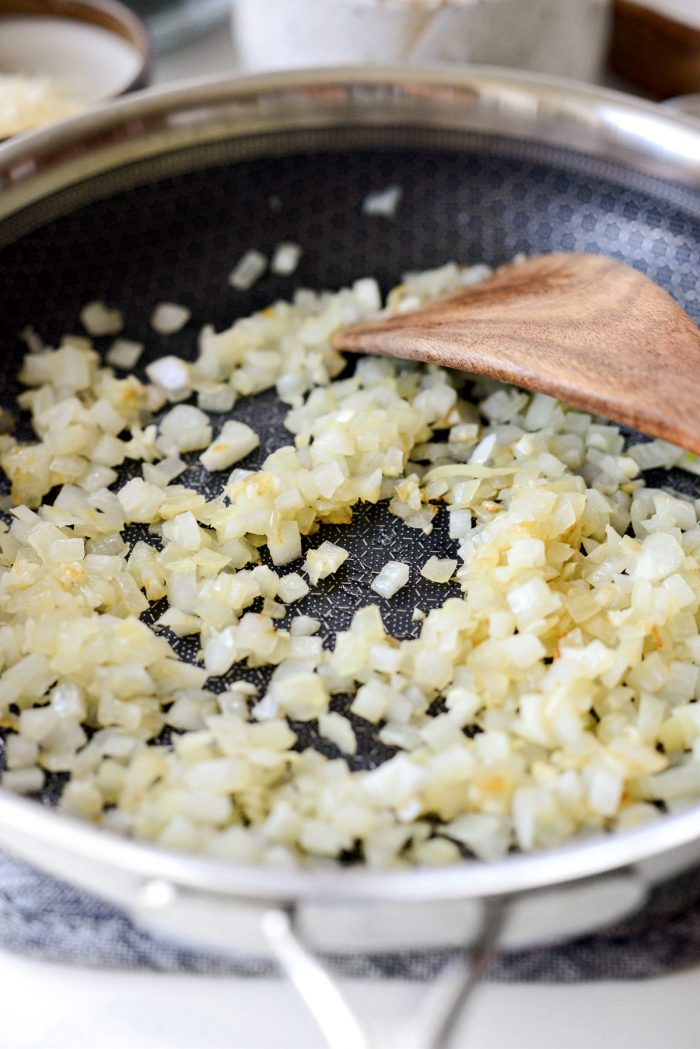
588	330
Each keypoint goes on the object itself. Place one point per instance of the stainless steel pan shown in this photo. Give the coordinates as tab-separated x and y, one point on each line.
155	197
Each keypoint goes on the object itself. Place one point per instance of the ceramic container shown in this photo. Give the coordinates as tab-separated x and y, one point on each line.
567	37
92	51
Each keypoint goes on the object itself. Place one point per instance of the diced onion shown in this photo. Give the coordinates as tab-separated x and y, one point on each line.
248	270
168	318
172	375
384	202
553	692
439	570
98	319
286	258
324	561
28	102
235	441
392	577
124	354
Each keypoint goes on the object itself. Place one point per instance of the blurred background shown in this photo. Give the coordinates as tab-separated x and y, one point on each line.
60	56
652	45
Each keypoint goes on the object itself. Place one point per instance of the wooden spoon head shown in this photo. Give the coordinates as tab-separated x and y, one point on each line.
586	329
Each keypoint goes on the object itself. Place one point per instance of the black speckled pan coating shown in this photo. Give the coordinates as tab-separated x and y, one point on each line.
177	239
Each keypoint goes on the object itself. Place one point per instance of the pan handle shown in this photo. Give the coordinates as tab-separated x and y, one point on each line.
430	1027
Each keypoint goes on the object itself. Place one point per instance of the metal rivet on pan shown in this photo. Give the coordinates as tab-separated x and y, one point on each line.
156	894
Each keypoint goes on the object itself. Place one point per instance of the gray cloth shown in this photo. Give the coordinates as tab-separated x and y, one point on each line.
45	918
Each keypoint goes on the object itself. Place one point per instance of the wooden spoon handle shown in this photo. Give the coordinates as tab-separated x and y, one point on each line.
588	330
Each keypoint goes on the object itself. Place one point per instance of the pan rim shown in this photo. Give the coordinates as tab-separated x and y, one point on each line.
633	132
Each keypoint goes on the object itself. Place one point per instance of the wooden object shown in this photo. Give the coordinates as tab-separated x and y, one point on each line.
655	51
591	331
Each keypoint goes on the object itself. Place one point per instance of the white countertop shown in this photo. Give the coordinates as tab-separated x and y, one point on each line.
46	1006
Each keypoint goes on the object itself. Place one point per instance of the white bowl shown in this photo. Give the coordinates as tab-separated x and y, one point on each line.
92	51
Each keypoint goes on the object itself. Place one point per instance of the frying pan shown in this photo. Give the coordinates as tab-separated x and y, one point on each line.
156	197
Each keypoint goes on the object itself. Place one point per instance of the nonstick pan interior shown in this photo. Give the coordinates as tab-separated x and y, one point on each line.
178	238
